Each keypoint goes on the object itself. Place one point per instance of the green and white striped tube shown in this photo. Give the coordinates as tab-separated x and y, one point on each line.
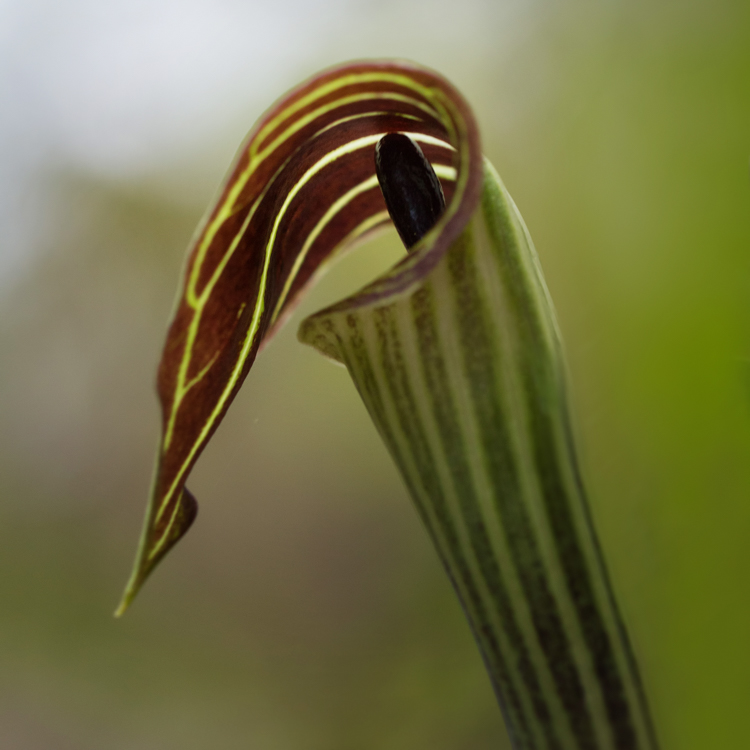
464	378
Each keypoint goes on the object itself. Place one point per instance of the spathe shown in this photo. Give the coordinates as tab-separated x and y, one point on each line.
456	354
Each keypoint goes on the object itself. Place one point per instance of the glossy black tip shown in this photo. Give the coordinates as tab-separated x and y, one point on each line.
410	187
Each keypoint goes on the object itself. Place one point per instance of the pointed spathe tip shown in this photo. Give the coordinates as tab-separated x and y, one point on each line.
128	595
157	540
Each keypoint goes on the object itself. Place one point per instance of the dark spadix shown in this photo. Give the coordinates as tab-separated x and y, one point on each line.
410	187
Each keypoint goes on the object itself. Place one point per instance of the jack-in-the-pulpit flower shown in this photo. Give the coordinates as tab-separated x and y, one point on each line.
456	354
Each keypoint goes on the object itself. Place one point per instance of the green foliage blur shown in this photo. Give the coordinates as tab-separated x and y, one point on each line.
306	608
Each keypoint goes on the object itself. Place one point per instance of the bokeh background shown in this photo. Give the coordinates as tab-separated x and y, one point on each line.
306	609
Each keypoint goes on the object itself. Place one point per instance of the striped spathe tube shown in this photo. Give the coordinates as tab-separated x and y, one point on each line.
464	379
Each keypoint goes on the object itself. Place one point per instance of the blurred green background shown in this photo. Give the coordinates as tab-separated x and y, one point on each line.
306	609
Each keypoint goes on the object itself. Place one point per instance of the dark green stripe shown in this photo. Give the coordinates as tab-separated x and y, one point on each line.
544	396
397	379
479	357
445	412
363	375
632	666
